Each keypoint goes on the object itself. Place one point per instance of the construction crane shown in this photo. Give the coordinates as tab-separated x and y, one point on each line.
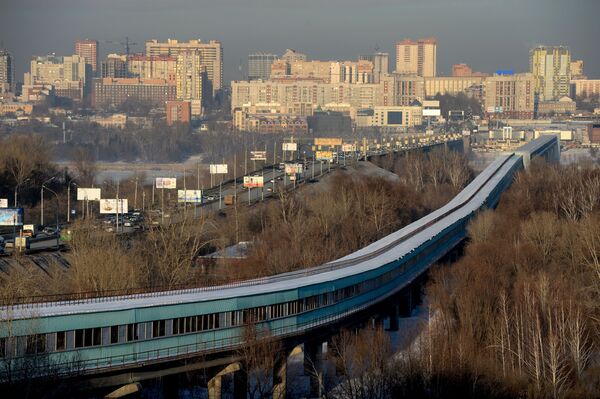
126	44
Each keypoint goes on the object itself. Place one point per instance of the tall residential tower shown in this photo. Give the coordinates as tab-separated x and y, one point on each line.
551	69
417	57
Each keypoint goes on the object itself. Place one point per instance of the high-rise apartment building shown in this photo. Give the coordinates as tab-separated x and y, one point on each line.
211	57
510	95
551	69
191	77
88	50
291	55
178	112
381	62
259	65
577	70
108	92
114	66
152	67
69	75
416	57
7	69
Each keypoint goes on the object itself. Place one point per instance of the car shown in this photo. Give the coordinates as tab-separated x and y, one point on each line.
269	189
50	231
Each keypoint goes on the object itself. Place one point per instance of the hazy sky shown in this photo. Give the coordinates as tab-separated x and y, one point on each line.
487	34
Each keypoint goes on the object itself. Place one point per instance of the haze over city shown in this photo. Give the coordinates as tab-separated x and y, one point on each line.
283	199
487	34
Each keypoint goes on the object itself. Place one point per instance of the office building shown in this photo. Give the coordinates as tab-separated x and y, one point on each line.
380	63
510	96
452	85
178	112
392	118
291	56
465	71
7	70
152	67
551	69
401	90
259	65
585	87
69	75
416	57
108	92
114	66
211	57
191	80
577	70
88	50
564	106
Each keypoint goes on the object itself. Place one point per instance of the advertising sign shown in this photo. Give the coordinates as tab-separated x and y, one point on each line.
218	169
253	181
431	112
324	156
349	147
11	217
293	168
166	182
258	155
3	203
290	146
110	205
193	196
328	141
88	194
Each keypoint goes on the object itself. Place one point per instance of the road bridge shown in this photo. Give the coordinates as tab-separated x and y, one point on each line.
116	336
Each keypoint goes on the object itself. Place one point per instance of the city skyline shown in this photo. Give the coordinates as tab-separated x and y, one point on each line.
322	32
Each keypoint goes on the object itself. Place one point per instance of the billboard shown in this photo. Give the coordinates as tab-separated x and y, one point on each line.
218	169
3	203
324	156
328	141
432	112
253	181
11	217
88	194
290	146
110	206
194	196
258	155
166	182
349	147
293	168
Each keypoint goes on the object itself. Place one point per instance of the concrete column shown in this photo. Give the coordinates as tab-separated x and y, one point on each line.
406	303
214	387
240	380
280	377
313	367
394	313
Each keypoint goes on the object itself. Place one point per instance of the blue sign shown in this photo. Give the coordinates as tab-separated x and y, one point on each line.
11	217
505	72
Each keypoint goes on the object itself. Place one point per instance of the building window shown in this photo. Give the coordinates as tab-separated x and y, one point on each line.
158	328
132	334
61	341
35	344
114	334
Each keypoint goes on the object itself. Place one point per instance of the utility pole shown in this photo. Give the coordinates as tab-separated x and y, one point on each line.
118	183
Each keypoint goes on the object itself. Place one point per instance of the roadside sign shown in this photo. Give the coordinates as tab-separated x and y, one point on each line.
3	202
218	169
332	142
290	146
193	196
88	194
258	155
166	182
253	181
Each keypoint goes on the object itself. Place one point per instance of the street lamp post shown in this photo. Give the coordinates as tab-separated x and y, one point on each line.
69	199
56	214
17	191
42	200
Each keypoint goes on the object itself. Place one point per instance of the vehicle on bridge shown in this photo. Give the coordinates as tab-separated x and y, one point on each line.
120	331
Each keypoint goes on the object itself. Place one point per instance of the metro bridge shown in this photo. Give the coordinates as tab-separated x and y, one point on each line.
122	339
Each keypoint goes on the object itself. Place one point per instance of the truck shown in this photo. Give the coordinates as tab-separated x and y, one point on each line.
229	199
29	230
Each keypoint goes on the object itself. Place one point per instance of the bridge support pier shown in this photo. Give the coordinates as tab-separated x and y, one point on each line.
240	380
280	377
214	387
394	314
405	306
313	367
